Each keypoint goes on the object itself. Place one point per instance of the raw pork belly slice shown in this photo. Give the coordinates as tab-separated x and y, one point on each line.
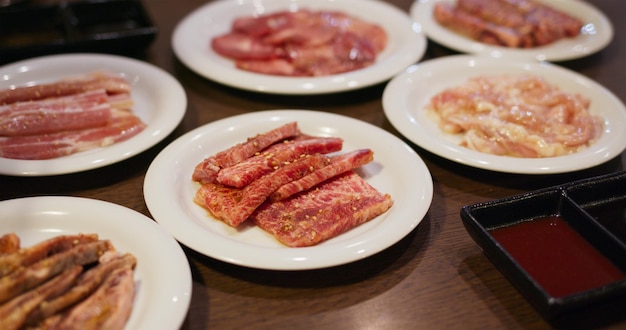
206	171
274	157
123	126
234	205
329	209
85	110
113	84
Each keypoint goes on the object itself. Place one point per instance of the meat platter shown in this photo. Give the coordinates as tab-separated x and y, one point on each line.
406	96
162	274
161	114
192	37
396	170
596	33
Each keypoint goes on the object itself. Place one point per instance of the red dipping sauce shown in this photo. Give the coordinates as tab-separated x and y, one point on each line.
556	256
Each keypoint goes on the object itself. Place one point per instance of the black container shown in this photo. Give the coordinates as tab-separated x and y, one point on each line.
111	26
594	208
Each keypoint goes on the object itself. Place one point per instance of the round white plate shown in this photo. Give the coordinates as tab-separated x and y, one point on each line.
596	34
407	94
191	42
160	102
396	169
162	273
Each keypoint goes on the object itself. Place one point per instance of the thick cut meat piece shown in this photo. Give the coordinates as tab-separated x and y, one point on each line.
107	308
29	255
234	205
9	243
123	126
113	84
338	164
274	157
329	209
26	278
85	285
14	312
206	171
85	110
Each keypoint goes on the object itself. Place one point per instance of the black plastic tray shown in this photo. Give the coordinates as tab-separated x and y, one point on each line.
111	26
594	208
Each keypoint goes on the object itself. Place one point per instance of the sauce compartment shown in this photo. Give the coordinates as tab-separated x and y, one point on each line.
111	26
562	247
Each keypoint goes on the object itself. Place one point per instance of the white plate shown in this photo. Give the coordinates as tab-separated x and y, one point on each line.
160	102
596	34
192	36
407	94
162	273
396	169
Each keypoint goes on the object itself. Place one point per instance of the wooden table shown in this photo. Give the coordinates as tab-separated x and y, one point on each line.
435	277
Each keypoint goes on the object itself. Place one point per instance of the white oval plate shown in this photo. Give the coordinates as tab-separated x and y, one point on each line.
162	273
396	169
191	44
596	34
407	94
160	102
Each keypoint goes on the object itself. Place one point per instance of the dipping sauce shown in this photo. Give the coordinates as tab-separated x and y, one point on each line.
556	256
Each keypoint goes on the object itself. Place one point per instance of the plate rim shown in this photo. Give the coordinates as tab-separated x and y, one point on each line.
167	120
283	258
53	207
262	83
420	9
394	110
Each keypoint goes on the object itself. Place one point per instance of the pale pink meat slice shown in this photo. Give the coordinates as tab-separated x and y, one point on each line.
329	209
123	126
85	110
338	164
112	83
234	205
274	157
206	171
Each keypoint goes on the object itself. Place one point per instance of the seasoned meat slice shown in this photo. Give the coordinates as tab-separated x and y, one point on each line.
327	210
206	171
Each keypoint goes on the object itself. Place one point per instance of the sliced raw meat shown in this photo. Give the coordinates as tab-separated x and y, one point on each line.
274	157
85	285
29	255
113	84
206	171
234	205
329	209
14	312
108	308
26	278
85	110
301	43
123	126
338	164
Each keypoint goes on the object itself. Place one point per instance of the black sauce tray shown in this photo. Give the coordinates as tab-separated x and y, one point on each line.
112	26
595	208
